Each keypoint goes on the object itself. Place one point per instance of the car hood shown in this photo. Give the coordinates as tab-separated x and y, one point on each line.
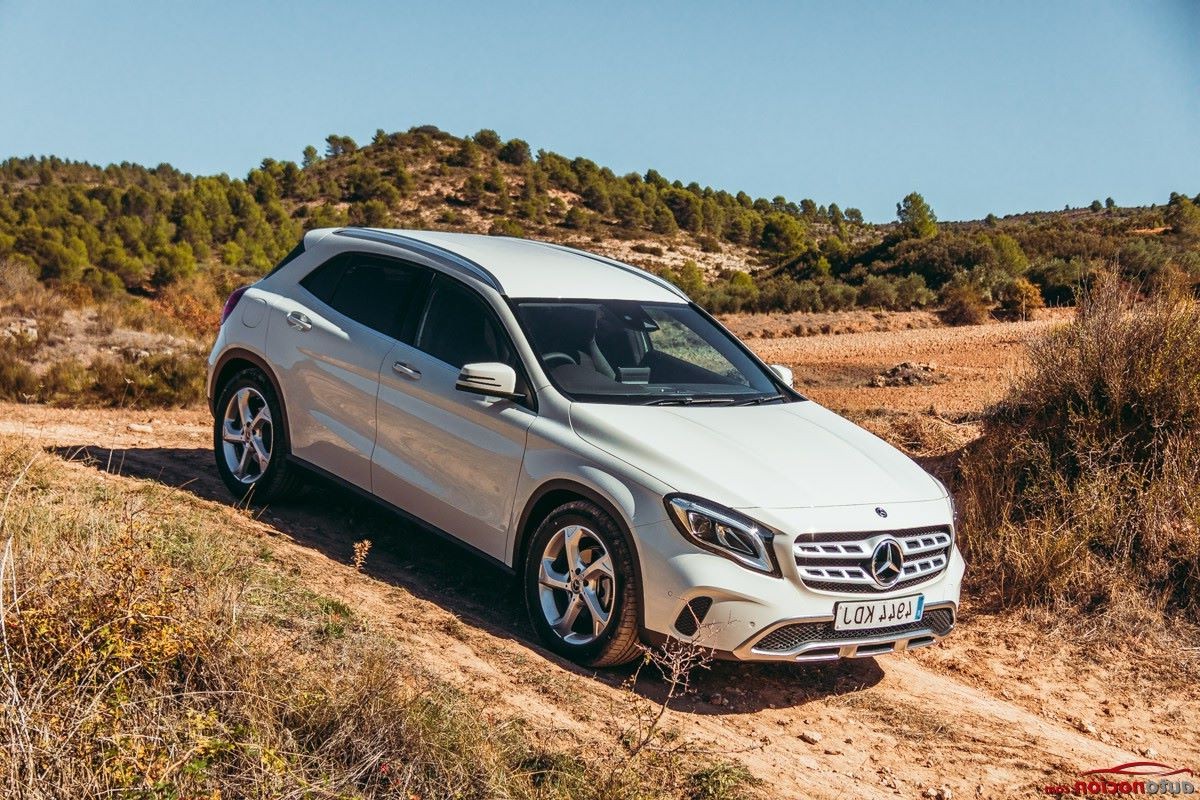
789	455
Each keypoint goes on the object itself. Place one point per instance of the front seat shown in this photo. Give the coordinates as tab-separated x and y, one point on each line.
571	331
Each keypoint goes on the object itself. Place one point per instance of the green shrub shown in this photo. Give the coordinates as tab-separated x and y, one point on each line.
838	296
506	227
877	292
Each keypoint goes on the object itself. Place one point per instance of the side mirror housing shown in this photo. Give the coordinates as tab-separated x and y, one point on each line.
490	379
784	374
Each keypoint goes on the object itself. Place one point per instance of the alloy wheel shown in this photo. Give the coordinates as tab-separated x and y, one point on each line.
247	435
576	585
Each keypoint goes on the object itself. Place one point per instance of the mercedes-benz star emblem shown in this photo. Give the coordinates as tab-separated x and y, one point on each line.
881	511
887	563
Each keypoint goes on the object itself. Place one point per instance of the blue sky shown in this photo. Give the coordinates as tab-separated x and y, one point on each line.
982	107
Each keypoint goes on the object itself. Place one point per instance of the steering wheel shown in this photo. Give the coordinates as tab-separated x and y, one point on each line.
556	359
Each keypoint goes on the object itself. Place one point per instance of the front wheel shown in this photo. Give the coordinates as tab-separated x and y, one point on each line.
580	587
250	440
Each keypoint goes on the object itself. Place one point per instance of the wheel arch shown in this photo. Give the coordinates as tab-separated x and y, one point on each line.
560	491
233	361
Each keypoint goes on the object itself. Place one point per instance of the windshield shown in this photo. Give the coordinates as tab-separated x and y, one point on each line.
621	351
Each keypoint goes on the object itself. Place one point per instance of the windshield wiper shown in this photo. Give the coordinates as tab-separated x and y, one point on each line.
766	398
687	400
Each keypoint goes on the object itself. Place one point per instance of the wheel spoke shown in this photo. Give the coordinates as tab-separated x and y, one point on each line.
243	402
600	568
571	537
549	577
261	453
599	615
229	434
243	461
263	416
563	626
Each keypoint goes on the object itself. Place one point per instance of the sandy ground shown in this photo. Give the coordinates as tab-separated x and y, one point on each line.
998	709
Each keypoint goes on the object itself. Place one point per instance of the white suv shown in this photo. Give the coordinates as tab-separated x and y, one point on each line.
581	423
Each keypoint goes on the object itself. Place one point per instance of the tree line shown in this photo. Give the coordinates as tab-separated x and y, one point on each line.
131	229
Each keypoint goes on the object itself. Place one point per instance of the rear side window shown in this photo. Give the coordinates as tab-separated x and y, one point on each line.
460	329
375	292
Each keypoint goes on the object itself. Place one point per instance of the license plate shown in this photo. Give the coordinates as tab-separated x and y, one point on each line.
859	616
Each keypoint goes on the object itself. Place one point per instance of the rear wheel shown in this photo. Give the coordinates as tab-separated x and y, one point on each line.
250	440
580	587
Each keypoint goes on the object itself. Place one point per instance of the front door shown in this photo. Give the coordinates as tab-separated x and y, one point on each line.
451	458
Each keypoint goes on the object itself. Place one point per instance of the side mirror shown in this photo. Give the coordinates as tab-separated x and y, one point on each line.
783	373
489	378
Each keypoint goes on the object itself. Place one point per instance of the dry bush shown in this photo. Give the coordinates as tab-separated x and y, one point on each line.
17	381
1084	491
195	305
1019	300
148	651
155	381
963	304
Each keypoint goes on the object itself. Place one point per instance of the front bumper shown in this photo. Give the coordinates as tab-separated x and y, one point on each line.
754	617
809	639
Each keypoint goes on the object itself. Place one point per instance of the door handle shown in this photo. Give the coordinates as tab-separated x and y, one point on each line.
299	321
407	371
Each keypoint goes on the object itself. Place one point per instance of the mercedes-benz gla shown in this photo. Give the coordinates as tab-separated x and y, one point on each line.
583	424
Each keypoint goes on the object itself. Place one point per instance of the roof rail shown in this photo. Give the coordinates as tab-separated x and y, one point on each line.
612	262
448	257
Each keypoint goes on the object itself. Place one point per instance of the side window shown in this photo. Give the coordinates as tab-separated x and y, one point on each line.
460	329
378	293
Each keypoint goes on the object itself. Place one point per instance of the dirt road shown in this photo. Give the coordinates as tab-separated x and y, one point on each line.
1000	709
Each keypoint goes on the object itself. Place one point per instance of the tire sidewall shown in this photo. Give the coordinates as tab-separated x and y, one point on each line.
578	513
261	489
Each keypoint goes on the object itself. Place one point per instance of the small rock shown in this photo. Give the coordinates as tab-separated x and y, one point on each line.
848	740
1149	752
141	427
930	792
811	737
944	793
1086	727
716	699
829	751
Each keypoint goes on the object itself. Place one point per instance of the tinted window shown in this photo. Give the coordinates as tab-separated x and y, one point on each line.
460	329
378	293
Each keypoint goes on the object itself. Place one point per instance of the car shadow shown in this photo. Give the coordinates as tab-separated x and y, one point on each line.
329	519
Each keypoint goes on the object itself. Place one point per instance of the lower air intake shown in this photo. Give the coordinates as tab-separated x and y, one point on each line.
689	619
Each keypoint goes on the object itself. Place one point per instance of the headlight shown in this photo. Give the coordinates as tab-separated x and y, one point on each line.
724	531
953	505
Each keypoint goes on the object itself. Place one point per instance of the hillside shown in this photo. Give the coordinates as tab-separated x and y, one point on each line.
124	230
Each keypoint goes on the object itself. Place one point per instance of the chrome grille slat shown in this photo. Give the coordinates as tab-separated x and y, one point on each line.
842	561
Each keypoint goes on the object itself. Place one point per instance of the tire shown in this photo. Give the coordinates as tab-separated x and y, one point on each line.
238	457
551	591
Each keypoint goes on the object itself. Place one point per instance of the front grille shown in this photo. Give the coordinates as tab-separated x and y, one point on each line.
690	617
841	562
791	637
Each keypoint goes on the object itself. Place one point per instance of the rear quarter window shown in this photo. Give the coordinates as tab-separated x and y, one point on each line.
376	292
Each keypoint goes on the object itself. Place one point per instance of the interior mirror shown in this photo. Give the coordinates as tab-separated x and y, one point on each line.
783	373
489	378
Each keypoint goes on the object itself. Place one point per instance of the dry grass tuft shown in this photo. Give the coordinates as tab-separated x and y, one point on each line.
145	651
1084	491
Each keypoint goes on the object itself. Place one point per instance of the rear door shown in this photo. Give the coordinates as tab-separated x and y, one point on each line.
337	325
450	457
